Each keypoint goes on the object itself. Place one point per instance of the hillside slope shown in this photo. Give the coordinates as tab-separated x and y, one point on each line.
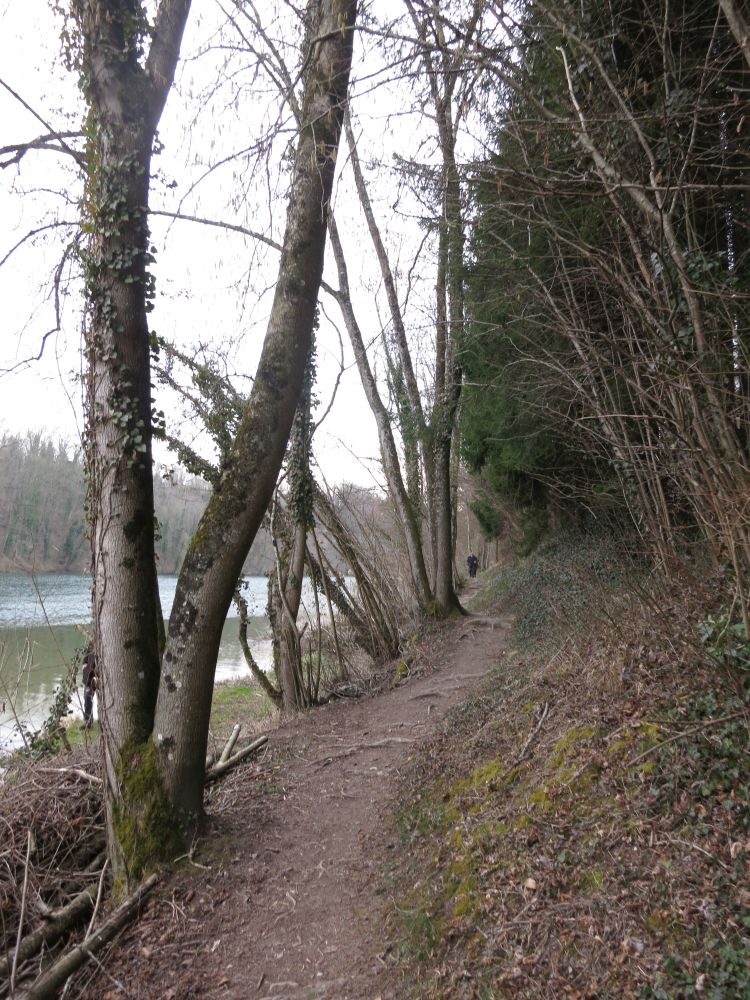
555	810
581	829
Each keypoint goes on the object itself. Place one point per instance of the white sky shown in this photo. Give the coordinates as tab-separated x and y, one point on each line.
198	270
213	287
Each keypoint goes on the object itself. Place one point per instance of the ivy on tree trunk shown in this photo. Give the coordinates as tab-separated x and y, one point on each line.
155	708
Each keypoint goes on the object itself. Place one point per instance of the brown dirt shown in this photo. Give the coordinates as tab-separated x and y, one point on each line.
281	899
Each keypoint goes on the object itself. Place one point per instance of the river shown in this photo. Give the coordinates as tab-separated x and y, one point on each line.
41	622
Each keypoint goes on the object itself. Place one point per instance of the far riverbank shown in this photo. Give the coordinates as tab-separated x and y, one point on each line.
45	618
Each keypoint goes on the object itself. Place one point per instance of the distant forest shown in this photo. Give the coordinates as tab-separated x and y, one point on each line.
43	520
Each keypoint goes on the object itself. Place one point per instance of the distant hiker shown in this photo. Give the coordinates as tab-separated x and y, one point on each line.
89	685
472	562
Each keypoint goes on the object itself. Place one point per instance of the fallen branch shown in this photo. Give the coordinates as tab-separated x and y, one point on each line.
72	770
55	976
211	758
533	733
71	884
222	766
226	753
54	928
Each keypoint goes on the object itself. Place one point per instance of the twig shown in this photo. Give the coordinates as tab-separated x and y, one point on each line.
343	671
353	748
693	847
23	910
533	732
12	702
98	900
103	970
687	732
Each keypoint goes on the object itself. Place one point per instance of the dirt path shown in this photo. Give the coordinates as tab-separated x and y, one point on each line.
285	906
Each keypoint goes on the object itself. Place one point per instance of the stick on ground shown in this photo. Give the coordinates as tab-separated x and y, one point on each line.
51	980
222	766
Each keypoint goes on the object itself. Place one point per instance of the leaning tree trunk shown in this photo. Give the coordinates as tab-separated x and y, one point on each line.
234	512
125	96
739	26
415	433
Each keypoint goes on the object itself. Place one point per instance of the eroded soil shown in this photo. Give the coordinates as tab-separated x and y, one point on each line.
284	898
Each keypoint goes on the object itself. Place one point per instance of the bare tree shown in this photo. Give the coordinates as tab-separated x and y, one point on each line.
443	74
234	513
156	701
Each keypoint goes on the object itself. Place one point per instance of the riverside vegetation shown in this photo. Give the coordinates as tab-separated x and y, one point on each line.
576	333
43	511
577	827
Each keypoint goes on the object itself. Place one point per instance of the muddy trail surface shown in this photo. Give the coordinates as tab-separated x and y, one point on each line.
281	900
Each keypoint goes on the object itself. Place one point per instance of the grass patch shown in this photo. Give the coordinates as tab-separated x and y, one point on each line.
78	736
239	701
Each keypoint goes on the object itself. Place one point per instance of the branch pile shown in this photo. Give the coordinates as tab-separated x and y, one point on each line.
52	853
51	848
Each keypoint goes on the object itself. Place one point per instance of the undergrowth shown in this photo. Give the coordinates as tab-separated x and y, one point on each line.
582	828
566	577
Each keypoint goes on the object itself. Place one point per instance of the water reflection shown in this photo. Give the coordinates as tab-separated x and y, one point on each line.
41	630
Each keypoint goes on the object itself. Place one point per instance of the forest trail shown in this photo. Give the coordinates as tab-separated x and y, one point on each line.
282	901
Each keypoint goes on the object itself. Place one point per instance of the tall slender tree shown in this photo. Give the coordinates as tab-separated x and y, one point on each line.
156	700
125	88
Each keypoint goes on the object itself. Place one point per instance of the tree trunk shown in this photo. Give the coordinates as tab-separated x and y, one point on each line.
126	96
388	451
290	660
236	508
442	70
738	25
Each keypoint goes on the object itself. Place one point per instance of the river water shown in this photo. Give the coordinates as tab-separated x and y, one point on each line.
42	623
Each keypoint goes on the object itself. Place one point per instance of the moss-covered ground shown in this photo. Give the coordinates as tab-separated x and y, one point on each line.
582	829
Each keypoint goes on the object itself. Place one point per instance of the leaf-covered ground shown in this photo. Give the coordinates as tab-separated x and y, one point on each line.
581	829
558	813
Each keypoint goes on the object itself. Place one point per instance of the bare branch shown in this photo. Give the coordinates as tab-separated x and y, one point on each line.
52	142
60	136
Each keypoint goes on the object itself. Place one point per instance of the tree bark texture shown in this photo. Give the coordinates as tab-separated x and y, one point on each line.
739	26
290	659
214	559
126	95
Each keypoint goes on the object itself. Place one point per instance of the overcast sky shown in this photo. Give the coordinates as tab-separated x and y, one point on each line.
212	287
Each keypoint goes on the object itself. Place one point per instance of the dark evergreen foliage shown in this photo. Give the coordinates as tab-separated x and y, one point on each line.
609	282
